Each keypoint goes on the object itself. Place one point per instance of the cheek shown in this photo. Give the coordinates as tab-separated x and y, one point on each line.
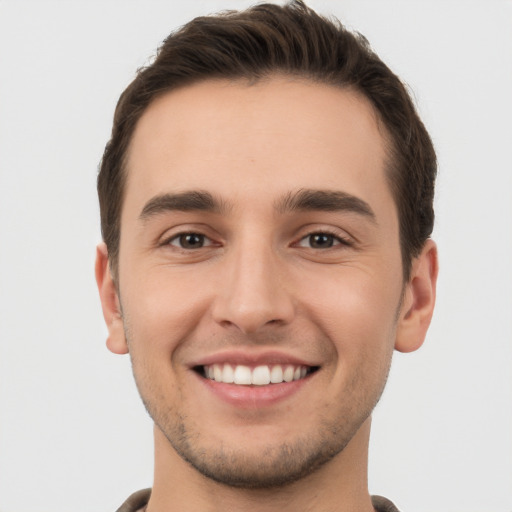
360	322
353	300
161	309
356	309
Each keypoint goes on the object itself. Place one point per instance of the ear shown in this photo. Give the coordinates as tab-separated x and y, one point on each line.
418	300
116	341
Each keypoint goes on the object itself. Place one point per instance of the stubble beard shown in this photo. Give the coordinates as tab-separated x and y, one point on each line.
273	465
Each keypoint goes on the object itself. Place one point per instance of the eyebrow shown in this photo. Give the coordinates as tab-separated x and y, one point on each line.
301	200
324	200
194	200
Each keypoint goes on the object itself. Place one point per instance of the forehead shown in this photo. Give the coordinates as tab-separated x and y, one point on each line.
235	138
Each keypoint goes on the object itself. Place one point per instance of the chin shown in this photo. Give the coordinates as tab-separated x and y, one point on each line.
259	461
270	467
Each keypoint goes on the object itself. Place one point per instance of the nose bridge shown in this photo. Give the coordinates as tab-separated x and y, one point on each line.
253	292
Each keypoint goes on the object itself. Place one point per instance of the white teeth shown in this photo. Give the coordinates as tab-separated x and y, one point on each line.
228	375
276	374
288	374
259	376
217	372
242	375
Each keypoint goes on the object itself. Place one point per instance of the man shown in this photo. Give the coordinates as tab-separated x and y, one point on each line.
266	204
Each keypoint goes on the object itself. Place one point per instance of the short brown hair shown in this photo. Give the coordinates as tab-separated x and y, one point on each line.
256	43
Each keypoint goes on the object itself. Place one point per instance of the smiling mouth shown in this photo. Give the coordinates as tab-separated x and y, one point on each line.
261	375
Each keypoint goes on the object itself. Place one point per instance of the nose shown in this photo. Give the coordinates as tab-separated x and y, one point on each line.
253	293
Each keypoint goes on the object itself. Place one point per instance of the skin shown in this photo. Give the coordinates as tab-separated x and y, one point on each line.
260	281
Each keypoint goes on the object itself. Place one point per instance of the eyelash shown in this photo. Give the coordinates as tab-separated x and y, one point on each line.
334	240
181	236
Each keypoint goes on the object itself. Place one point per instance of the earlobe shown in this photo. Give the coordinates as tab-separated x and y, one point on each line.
418	301
116	340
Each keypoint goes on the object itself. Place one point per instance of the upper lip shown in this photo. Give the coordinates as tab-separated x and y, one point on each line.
244	357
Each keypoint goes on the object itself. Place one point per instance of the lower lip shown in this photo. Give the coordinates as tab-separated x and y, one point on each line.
253	397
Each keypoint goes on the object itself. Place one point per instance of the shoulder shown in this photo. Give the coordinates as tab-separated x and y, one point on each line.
381	504
136	501
140	499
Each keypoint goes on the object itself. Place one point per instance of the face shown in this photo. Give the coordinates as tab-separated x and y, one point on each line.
260	276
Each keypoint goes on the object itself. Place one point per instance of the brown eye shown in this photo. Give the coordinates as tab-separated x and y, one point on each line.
321	240
190	241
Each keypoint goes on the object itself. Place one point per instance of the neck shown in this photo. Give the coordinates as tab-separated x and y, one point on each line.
340	485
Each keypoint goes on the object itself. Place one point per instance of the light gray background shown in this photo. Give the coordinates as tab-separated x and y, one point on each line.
73	434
